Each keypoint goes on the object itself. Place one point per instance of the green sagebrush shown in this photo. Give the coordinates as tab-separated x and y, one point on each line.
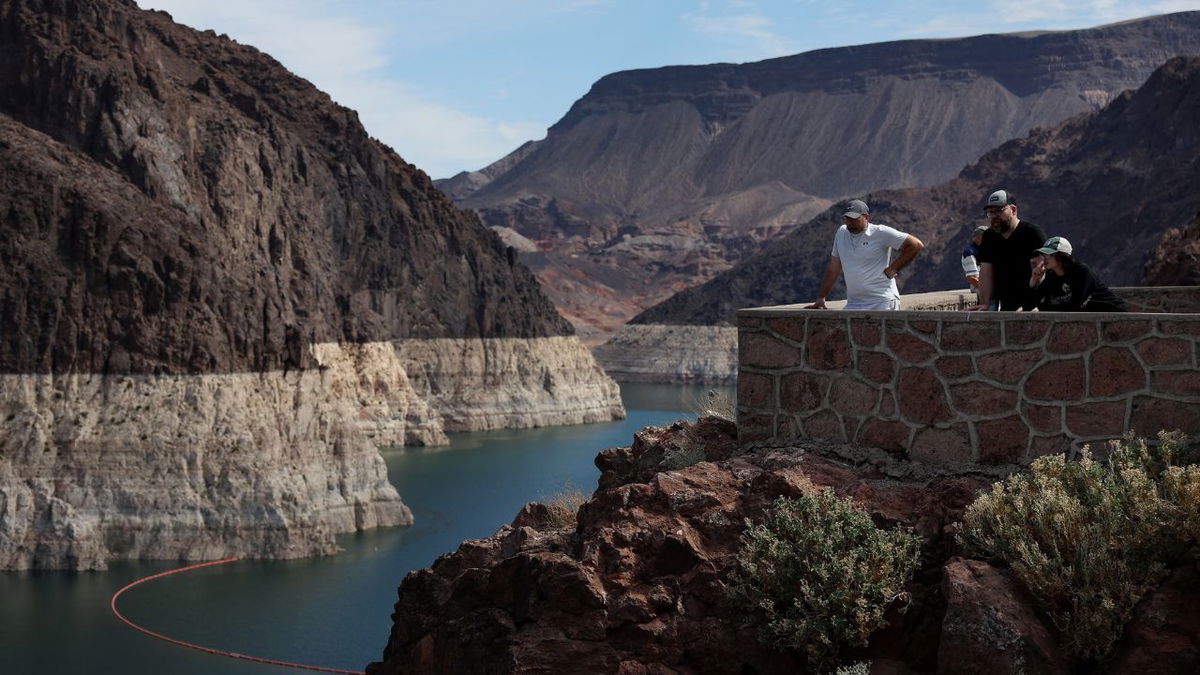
1090	538
820	575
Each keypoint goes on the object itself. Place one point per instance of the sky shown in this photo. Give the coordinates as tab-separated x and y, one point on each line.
454	85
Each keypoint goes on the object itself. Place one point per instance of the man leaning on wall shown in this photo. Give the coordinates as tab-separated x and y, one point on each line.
862	251
1004	254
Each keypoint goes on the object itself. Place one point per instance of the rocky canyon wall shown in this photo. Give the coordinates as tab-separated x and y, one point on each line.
207	271
510	383
270	464
96	467
671	354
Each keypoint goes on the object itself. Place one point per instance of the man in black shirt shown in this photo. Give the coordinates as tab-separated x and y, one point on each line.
1004	254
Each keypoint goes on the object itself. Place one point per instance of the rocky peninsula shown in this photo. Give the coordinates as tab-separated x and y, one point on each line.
637	580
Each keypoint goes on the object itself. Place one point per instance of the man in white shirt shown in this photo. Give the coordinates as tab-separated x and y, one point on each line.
863	251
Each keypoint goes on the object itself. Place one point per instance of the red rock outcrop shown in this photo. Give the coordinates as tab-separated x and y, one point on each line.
638	584
991	625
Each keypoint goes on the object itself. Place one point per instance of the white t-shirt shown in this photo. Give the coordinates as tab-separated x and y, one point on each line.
863	257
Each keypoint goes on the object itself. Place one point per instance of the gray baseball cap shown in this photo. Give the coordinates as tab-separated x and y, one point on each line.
1000	198
856	208
1056	245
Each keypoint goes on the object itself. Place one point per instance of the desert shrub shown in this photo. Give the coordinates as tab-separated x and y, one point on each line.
821	575
1090	538
564	506
715	403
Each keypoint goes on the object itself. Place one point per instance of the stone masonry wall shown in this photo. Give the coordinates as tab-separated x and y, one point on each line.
966	387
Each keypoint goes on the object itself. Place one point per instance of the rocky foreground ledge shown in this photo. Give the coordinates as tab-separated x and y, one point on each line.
638	583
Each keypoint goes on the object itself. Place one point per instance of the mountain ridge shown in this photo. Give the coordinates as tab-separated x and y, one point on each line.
1112	182
668	152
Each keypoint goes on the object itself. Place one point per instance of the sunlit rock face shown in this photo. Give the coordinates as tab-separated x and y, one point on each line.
660	179
207	268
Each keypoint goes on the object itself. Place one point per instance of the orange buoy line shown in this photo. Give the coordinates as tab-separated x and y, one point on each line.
209	650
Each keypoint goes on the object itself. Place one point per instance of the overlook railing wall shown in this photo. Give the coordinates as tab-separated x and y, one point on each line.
947	387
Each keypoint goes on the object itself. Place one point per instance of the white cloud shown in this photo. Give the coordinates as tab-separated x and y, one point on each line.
438	138
1169	6
747	35
1023	11
348	58
1075	11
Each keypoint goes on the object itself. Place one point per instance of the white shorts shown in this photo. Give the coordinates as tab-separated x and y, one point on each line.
884	304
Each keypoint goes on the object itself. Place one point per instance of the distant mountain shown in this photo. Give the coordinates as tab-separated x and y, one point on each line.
659	179
1176	259
1112	182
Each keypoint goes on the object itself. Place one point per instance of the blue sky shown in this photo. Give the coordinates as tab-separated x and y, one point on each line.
456	84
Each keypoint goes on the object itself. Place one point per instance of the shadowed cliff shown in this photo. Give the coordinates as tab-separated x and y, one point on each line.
176	202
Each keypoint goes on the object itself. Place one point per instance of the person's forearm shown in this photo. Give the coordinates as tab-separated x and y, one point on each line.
985	285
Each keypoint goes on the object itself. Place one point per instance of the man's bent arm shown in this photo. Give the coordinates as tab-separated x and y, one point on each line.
909	250
832	272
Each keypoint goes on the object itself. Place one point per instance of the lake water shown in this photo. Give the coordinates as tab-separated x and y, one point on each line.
333	611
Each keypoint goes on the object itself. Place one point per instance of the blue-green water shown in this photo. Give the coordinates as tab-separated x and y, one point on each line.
332	611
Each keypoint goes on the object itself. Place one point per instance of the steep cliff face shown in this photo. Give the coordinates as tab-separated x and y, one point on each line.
1112	182
181	213
282	205
668	353
95	467
657	180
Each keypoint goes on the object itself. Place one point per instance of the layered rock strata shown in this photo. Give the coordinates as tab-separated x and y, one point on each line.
674	354
270	464
638	583
206	266
671	354
510	383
